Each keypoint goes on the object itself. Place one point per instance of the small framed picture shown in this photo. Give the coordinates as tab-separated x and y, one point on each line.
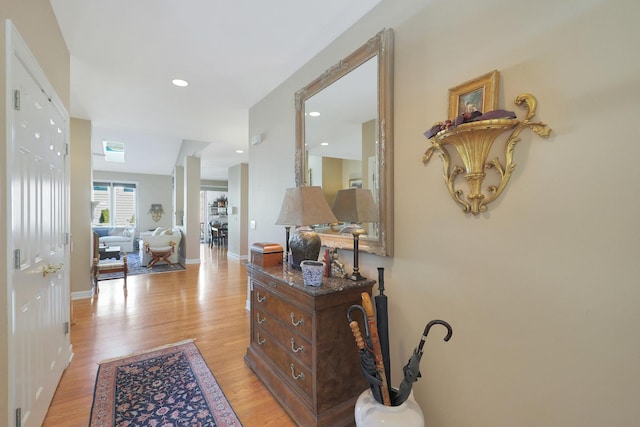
479	94
355	183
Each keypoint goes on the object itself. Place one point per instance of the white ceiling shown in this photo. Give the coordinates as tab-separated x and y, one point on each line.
124	54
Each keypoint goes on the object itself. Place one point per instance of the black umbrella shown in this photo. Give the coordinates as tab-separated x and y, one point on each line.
382	318
412	368
365	349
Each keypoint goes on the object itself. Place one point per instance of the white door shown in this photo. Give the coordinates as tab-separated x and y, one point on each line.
39	346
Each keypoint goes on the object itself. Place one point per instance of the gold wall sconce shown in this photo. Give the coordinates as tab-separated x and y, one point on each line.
473	141
156	212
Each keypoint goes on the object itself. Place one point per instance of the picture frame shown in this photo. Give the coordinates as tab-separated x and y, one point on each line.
480	94
355	183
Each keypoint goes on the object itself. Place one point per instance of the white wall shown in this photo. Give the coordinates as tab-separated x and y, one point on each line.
542	289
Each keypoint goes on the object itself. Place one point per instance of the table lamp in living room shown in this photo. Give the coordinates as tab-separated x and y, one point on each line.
355	206
301	208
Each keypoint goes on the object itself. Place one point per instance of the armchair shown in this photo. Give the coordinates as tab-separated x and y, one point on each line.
161	238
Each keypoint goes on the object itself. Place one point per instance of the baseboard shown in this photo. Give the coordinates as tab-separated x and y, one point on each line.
234	255
192	261
82	294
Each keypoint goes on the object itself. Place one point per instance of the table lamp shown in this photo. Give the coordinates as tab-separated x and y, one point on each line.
355	206
302	207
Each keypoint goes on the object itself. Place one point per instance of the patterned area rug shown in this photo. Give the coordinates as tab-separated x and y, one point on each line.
133	262
167	386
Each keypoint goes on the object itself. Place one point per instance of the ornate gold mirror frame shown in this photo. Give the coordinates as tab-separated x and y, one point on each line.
380	46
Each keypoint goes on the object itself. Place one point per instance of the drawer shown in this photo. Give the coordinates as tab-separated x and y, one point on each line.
295	344
289	314
285	290
290	368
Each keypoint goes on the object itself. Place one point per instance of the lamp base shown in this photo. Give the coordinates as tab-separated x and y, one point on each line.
356	276
305	245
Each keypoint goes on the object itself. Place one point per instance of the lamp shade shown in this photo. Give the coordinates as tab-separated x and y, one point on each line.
305	206
355	205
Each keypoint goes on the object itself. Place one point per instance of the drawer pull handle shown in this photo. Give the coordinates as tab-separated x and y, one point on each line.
273	284
296	322
261	319
294	348
300	376
261	341
261	298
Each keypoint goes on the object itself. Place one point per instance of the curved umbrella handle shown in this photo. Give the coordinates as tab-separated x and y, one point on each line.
428	327
364	317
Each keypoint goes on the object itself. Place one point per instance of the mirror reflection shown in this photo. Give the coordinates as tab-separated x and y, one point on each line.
341	136
344	138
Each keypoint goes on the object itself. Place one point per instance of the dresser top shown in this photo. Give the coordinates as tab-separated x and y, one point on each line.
294	279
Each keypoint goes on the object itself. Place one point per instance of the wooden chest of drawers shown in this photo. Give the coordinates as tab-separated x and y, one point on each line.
301	345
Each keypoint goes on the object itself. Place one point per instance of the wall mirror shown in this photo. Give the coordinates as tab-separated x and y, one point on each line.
344	137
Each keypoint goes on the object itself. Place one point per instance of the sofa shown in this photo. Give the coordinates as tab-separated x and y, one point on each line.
161	237
117	236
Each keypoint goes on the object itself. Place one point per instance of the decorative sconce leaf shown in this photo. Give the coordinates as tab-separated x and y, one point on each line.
541	129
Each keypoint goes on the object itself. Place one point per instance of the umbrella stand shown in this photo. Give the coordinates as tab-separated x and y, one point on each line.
412	368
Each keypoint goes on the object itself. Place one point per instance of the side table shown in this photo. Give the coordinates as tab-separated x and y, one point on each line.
109	252
301	345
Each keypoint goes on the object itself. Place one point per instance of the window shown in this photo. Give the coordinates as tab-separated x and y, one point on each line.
118	204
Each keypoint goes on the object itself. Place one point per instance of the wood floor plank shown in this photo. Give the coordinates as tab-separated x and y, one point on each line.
204	302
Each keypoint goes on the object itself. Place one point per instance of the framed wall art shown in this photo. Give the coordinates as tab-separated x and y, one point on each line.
479	94
355	183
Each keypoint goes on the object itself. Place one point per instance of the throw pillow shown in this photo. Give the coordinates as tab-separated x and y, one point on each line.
101	231
158	231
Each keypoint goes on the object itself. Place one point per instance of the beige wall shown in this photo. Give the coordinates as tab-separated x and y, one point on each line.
542	289
191	228
41	32
237	211
81	237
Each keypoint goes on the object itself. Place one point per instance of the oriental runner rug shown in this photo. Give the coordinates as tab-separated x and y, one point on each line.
166	386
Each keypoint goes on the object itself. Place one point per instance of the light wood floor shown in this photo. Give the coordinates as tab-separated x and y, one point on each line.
205	302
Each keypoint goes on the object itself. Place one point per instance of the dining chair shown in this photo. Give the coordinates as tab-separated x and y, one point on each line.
106	266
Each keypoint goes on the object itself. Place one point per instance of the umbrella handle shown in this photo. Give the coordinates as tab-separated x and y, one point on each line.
377	350
364	317
357	334
428	327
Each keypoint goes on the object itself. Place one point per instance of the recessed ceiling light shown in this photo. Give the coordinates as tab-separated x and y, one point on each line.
324	144
314	113
239	151
180	82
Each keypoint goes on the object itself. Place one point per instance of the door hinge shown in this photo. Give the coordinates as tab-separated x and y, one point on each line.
16	100
66	328
66	149
16	259
19	417
66	238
